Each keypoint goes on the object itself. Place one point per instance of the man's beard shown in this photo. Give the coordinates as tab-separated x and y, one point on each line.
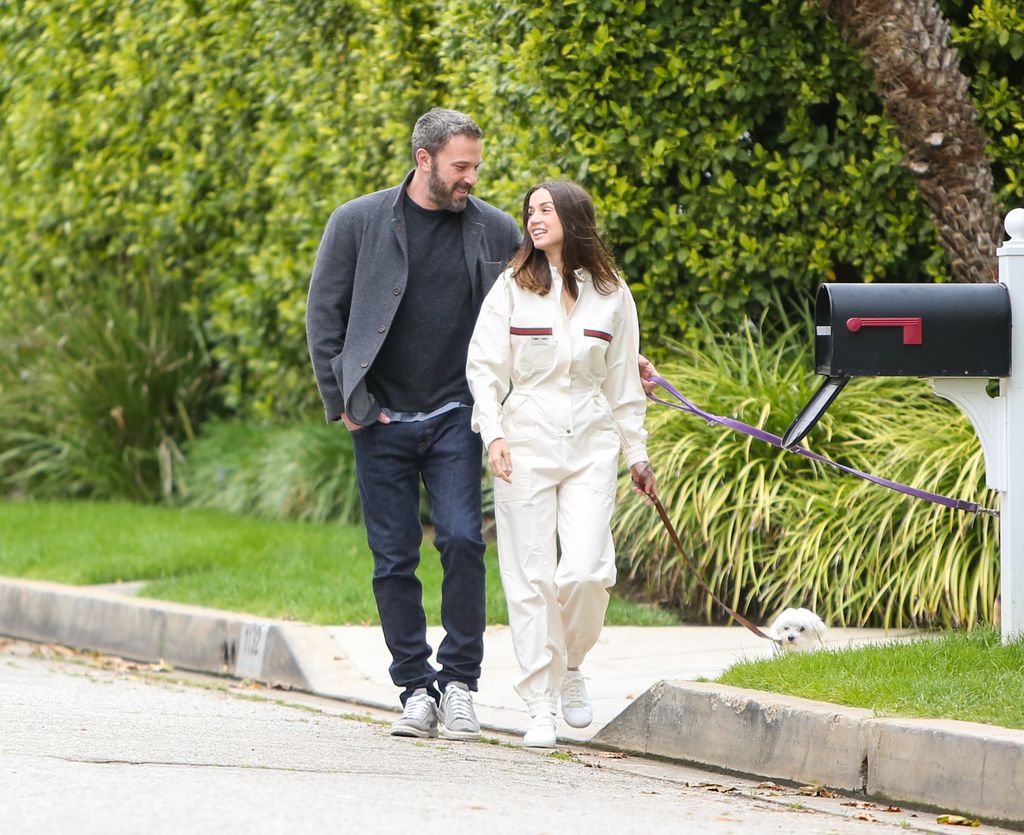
443	195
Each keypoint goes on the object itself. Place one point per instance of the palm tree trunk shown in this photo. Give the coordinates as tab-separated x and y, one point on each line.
925	94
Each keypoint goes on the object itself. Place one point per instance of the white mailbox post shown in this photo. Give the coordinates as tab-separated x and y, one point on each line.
999	423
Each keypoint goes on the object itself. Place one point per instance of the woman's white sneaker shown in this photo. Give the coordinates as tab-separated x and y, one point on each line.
577	709
541	733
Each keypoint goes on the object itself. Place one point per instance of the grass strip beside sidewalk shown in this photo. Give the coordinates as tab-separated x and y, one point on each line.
317	573
968	676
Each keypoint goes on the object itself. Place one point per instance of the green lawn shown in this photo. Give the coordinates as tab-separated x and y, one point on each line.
303	571
321	574
954	675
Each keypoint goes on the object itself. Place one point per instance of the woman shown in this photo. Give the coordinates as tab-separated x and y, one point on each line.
553	370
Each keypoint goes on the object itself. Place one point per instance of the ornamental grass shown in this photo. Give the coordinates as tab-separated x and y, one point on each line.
770	529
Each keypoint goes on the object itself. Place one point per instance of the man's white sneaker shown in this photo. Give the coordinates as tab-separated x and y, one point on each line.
577	709
458	719
419	717
541	733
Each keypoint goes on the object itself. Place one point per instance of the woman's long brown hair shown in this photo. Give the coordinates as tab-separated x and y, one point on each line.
581	248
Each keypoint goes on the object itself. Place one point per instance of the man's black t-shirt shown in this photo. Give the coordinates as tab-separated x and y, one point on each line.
422	363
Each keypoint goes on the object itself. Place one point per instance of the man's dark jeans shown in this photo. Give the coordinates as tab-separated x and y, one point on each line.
390	461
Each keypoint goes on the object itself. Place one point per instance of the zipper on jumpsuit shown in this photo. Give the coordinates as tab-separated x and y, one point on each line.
566	341
567	390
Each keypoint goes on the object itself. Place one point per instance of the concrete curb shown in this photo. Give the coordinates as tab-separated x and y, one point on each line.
763	734
973	769
191	637
976	770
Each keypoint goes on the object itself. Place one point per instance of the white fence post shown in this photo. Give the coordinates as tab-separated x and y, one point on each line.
1011	499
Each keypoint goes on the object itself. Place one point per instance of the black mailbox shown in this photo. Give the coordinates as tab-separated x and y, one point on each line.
912	330
904	330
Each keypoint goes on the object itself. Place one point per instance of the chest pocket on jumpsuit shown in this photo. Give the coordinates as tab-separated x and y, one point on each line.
533	345
534	348
596	341
597	338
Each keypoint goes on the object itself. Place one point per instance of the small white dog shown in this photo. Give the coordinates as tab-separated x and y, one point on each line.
797	630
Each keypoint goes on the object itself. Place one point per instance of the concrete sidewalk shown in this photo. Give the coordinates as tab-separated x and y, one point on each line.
627	661
642	680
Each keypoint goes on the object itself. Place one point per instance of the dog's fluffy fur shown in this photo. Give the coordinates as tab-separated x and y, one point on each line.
797	630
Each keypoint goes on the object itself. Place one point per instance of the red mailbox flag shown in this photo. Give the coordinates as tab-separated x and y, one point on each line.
911	326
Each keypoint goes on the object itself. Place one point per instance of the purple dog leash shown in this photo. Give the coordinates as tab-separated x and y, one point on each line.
685	405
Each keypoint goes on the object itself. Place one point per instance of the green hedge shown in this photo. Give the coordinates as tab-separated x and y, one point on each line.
990	39
732	146
197	144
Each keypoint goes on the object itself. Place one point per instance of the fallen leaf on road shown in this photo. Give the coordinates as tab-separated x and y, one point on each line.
768	784
716	787
146	668
958	820
816	791
859	804
863	816
119	665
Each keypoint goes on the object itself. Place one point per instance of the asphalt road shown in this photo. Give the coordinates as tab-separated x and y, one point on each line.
90	744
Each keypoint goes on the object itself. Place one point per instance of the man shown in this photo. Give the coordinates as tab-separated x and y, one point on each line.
398	281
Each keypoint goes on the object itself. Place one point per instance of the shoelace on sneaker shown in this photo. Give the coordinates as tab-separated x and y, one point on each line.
458	704
418	707
574	691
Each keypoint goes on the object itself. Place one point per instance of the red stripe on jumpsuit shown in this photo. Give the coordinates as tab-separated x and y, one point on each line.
530	331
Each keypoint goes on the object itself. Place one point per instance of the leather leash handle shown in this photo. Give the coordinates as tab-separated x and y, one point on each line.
679	546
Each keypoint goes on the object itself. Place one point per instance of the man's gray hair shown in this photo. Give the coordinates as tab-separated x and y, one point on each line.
435	127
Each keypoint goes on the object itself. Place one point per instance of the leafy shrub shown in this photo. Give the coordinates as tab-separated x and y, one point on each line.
95	397
770	529
732	146
203	144
304	471
990	39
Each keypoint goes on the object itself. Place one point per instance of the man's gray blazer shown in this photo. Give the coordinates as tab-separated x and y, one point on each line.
358	280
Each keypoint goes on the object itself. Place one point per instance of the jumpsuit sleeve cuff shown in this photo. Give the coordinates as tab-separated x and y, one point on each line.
489	429
635	454
490	437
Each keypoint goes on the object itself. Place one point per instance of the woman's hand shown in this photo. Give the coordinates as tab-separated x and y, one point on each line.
643	479
647	374
499	457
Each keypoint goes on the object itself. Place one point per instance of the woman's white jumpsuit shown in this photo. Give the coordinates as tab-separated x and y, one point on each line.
564	391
